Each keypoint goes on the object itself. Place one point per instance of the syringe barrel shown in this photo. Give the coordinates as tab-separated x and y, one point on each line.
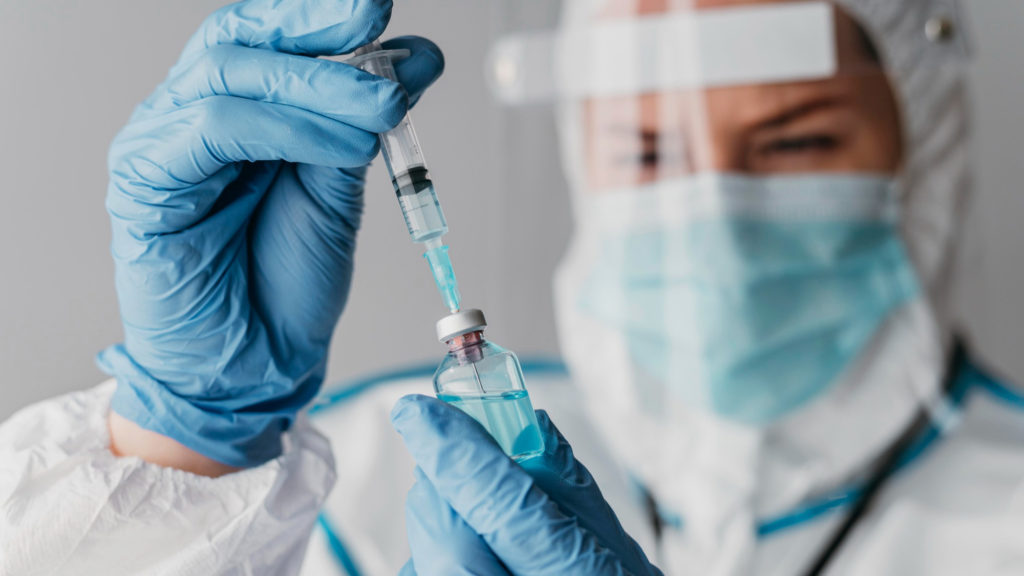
401	147
404	158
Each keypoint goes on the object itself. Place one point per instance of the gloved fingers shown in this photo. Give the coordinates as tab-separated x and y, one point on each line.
421	69
407	569
568	482
330	88
315	213
149	174
558	456
338	91
332	187
302	242
308	27
304	232
442	543
496	497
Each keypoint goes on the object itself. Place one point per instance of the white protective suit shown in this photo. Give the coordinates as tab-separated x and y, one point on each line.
956	507
67	506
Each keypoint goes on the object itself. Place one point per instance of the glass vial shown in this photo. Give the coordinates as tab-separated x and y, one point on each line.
486	381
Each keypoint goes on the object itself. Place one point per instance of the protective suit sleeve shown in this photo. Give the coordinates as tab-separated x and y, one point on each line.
69	506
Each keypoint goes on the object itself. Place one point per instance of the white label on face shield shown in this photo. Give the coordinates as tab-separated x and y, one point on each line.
715	47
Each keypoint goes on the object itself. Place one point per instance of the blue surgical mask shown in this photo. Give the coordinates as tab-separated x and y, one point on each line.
747	297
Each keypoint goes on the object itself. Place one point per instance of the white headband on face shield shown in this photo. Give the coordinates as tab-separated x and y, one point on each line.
716	47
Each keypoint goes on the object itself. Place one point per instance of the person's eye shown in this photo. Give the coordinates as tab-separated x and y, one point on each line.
645	157
800	145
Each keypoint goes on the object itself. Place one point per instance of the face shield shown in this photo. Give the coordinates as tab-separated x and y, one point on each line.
726	157
658	90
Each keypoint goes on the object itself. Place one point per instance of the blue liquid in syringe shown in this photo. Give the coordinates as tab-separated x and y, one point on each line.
427	225
423	216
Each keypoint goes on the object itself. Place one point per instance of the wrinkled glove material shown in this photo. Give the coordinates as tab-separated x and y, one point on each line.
235	197
473	510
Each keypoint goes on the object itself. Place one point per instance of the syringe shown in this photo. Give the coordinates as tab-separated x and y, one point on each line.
404	159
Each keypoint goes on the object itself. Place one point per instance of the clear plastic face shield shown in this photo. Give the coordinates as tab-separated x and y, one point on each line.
667	89
734	163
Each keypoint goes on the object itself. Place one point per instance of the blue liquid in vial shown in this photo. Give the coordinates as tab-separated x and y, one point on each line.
509	417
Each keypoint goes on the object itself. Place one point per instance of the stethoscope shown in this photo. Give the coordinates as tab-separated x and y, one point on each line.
888	465
890	461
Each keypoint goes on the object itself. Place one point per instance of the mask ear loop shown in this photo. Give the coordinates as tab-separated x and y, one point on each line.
939	409
942	414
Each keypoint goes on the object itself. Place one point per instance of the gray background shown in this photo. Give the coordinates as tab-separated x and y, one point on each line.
74	70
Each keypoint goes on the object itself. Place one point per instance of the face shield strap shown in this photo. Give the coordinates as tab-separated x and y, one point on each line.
707	48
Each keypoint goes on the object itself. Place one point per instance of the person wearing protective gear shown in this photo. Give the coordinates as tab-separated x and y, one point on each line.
236	187
755	308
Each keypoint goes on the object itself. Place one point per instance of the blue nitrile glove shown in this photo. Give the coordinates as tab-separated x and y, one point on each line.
235	196
475	511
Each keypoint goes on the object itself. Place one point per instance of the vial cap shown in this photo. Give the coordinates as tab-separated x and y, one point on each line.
462	322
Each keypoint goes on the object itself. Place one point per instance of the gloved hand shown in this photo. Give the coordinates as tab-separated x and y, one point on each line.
475	511
235	196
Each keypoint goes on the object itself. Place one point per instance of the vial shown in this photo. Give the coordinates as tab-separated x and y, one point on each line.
486	381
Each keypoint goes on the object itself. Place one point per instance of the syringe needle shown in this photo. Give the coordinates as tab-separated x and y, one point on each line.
444	274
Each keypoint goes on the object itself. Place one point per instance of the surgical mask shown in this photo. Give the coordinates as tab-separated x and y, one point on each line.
746	297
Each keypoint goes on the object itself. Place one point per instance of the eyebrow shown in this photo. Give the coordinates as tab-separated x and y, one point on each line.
631	129
786	115
792	113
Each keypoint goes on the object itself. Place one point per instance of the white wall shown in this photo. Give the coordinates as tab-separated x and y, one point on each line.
994	279
74	70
